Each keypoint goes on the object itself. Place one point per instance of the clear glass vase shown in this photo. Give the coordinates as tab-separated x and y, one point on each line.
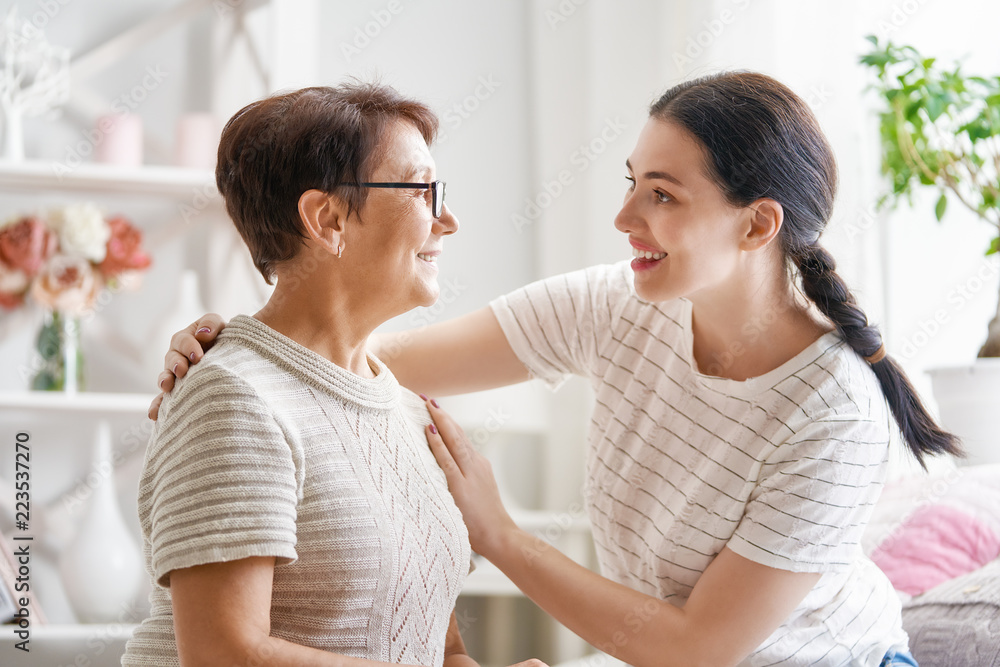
58	346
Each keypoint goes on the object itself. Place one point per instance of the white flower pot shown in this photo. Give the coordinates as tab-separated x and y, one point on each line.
102	569
968	398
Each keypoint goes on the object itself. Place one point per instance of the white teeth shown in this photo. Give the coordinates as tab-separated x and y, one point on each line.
426	258
645	254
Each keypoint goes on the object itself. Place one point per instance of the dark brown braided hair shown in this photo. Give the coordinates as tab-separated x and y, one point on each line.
762	140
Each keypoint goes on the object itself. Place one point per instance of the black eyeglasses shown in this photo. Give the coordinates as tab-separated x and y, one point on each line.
436	188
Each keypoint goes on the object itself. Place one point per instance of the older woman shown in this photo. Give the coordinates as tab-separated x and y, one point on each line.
291	511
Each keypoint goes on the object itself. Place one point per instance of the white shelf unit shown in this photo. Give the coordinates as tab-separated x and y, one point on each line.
77	415
94	404
45	177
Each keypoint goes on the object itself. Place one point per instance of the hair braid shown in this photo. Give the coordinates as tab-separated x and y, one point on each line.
827	289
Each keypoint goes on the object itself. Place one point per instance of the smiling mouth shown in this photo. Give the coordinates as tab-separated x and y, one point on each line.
427	258
648	256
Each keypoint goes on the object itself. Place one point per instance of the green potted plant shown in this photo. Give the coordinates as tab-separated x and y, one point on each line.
940	129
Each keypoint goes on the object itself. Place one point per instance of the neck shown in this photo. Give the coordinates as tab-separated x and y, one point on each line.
752	324
323	317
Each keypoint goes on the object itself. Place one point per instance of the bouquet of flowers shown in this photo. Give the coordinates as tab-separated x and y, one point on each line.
63	261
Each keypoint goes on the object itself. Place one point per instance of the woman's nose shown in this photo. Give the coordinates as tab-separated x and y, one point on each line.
626	221
447	223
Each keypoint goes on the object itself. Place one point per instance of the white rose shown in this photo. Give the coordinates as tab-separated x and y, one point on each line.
68	283
82	231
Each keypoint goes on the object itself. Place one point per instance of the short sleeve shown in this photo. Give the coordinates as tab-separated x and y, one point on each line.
220	480
558	326
815	495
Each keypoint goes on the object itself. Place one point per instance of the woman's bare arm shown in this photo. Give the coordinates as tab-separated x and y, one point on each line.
734	607
468	353
222	616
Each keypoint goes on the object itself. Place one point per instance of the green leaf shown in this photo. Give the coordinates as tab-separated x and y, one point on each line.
942	204
994	246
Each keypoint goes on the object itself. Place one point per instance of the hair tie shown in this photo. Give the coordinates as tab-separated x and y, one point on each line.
877	356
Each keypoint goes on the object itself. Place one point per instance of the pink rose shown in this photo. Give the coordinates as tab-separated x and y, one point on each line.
10	301
124	251
68	284
26	244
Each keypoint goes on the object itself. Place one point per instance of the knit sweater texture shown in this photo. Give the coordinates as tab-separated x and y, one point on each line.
266	448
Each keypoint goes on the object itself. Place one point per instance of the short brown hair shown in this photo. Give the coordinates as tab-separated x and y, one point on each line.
320	138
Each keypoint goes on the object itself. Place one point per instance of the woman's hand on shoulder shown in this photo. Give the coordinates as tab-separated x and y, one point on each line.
187	347
470	480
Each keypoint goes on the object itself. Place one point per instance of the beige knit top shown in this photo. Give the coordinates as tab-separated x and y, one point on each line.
268	449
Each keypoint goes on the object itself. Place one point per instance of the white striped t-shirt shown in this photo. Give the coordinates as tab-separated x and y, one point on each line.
784	468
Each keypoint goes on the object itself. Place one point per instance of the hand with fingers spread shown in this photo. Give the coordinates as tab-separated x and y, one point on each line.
470	480
187	347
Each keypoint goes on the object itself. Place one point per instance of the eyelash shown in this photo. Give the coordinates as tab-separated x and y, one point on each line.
661	197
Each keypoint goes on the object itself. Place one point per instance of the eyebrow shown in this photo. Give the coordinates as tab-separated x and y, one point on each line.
657	175
417	170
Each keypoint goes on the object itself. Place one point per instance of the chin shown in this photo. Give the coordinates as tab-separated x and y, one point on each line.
651	293
428	296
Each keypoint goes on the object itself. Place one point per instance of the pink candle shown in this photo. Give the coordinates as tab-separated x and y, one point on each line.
119	140
197	141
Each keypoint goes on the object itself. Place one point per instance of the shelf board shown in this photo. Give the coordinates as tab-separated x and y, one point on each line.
93	403
176	182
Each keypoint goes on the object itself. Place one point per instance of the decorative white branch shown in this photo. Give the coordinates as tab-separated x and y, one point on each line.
34	77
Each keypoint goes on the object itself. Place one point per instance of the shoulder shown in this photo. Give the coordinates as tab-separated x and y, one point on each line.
218	417
837	385
232	390
835	409
220	377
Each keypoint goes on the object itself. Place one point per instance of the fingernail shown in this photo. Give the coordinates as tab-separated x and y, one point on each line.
174	369
161	383
435	403
192	356
423	397
204	330
434	429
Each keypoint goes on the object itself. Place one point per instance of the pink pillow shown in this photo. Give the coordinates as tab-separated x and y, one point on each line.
935	544
928	529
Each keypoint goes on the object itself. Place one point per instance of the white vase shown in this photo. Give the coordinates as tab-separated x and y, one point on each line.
102	569
968	399
13	135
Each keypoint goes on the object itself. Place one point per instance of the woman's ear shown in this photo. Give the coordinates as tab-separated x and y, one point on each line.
323	217
766	216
